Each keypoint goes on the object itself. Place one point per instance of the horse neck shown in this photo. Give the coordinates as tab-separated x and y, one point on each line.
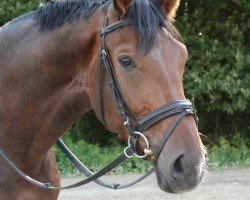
55	77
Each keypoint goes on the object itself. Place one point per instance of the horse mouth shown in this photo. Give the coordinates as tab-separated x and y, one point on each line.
170	185
162	181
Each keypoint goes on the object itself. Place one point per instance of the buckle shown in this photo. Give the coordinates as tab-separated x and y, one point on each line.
104	54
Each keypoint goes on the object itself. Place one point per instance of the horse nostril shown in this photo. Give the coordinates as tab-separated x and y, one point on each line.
178	170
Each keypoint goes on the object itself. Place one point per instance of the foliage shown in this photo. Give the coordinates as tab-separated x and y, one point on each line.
218	70
10	9
89	129
229	153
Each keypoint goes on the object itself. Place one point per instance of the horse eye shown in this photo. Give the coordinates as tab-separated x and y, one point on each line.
126	62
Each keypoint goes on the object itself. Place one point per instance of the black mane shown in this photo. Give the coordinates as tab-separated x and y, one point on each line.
144	14
55	14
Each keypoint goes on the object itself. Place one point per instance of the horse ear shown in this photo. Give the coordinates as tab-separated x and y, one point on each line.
169	6
121	6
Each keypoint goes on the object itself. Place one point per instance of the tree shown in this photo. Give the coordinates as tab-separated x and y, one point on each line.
218	71
9	9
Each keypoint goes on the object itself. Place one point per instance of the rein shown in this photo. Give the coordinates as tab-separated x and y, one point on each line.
181	108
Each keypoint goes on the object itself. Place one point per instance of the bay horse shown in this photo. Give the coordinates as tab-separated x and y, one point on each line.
49	78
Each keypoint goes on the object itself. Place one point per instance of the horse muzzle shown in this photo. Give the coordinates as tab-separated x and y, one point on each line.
179	175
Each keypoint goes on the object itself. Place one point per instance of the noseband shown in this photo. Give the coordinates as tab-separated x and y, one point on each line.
181	108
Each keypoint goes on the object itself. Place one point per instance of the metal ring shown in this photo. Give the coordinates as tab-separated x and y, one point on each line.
145	140
125	152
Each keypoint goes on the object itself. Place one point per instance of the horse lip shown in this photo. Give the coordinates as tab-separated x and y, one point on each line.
162	181
166	187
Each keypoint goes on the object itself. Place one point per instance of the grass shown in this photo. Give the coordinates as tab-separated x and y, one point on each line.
234	152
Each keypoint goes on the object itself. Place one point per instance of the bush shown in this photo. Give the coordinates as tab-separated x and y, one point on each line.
218	70
9	9
229	153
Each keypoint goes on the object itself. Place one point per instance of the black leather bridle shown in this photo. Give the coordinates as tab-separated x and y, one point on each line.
135	130
181	108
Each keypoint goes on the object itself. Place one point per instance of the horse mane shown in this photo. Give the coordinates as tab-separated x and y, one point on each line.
144	14
56	13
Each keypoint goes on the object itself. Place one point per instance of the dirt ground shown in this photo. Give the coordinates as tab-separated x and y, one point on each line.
227	184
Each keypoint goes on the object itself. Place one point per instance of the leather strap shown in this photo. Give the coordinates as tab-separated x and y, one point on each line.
163	112
124	109
115	25
169	131
81	167
49	186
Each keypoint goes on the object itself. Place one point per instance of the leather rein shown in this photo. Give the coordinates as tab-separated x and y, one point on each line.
181	108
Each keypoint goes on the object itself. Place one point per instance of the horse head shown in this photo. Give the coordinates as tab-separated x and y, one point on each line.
147	62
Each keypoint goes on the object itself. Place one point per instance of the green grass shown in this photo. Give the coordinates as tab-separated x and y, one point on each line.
227	153
233	152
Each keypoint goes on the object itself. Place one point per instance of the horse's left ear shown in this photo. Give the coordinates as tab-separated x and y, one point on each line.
121	6
169	6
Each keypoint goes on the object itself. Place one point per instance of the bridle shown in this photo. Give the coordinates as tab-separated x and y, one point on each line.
135	131
181	108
